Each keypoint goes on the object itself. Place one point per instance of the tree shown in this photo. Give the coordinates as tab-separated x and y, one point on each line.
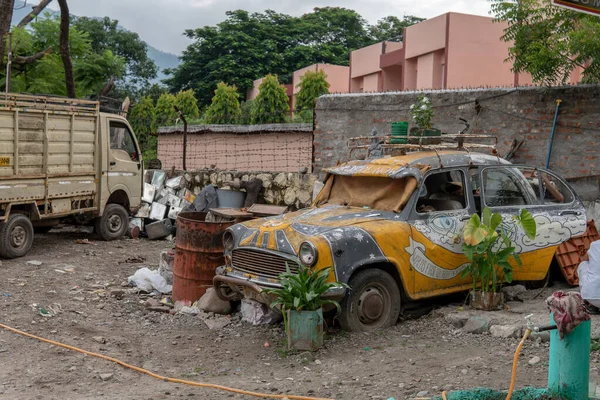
312	85
6	13
246	47
46	74
143	121
246	108
271	104
225	106
391	28
65	51
165	112
105	34
550	42
188	104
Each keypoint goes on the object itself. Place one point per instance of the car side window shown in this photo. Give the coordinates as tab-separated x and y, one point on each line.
510	186
122	139
443	191
553	190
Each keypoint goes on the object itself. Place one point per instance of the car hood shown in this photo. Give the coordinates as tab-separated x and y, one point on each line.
285	233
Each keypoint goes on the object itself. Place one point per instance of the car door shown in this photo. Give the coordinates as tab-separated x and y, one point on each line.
437	219
125	162
558	212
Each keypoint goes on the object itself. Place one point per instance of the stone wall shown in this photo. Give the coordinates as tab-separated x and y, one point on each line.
293	189
521	113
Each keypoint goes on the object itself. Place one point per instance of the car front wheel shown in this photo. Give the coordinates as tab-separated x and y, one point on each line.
373	302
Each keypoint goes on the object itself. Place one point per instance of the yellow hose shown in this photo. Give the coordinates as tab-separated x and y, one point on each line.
515	361
162	378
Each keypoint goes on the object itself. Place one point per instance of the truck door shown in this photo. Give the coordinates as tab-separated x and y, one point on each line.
124	163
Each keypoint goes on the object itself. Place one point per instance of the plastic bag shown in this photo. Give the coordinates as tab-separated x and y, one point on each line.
148	280
589	275
259	314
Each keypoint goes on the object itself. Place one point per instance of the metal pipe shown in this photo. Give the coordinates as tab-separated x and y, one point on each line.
558	101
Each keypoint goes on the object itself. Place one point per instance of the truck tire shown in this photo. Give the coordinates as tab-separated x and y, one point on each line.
16	236
373	302
113	223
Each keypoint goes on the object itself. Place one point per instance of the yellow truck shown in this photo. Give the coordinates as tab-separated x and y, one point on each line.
64	160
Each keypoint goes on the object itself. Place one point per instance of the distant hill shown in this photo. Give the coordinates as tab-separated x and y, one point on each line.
162	59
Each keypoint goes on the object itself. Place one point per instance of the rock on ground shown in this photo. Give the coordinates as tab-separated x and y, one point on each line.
477	324
505	331
210	302
458	320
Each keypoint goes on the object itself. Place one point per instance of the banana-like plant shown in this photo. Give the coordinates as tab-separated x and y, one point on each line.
488	246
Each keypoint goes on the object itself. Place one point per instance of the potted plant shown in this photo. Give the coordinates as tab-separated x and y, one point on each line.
301	304
422	114
488	246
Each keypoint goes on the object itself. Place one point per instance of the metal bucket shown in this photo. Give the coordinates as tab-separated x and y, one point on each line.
198	252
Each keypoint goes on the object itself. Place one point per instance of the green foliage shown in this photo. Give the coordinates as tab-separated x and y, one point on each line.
142	119
312	85
549	42
422	113
247	46
246	108
165	112
104	34
391	28
488	246
187	104
271	104
225	107
303	291
46	76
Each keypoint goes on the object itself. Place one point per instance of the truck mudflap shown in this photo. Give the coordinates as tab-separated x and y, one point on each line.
230	286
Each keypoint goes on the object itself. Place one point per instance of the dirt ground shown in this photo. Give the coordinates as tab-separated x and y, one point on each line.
76	280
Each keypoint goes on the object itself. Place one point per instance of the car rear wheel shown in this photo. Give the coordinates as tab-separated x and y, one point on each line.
373	302
16	236
113	223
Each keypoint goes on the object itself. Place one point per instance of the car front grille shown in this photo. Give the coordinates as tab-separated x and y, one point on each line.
261	263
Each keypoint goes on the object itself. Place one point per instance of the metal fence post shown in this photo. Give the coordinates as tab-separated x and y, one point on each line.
180	114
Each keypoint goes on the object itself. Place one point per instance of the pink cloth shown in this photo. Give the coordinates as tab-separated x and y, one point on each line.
569	311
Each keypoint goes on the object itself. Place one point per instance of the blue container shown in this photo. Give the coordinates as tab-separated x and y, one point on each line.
305	329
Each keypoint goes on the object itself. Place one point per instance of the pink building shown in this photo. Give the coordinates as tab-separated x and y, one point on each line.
337	76
449	51
254	90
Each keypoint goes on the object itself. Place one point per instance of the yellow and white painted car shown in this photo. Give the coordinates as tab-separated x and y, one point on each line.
391	230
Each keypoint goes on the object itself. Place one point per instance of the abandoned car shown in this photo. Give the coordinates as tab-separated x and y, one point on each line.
390	227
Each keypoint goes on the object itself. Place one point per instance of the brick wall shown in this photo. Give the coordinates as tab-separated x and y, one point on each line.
523	113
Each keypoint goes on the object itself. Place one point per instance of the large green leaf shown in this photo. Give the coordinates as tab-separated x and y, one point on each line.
528	224
474	233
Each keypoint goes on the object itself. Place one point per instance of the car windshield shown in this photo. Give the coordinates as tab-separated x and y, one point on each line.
380	193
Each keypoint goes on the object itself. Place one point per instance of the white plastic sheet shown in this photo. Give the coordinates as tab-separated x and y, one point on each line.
149	280
589	275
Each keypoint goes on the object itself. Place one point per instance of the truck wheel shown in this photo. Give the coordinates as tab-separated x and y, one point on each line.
16	236
373	302
113	223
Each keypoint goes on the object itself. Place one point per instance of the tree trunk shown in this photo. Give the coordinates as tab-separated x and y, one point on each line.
65	52
6	12
22	60
34	13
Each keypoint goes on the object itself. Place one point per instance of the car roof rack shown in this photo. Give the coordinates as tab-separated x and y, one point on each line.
461	142
51	104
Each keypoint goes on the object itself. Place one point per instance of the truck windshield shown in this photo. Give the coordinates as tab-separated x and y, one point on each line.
379	193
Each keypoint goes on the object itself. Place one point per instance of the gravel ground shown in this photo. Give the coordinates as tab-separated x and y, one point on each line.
82	283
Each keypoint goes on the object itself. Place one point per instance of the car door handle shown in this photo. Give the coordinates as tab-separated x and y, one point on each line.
569	212
112	163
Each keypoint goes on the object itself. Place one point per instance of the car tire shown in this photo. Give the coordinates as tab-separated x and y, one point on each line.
113	223
16	236
373	302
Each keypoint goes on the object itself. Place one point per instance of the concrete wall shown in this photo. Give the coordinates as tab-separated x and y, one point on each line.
290	189
425	37
523	113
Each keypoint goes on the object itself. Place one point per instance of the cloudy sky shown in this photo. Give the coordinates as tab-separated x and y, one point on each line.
162	22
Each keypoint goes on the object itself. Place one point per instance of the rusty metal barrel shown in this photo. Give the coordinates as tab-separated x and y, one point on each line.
198	252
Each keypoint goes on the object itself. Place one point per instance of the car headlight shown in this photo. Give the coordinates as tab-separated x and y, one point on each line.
228	241
308	254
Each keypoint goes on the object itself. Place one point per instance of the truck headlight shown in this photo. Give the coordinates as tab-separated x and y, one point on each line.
308	254
228	241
